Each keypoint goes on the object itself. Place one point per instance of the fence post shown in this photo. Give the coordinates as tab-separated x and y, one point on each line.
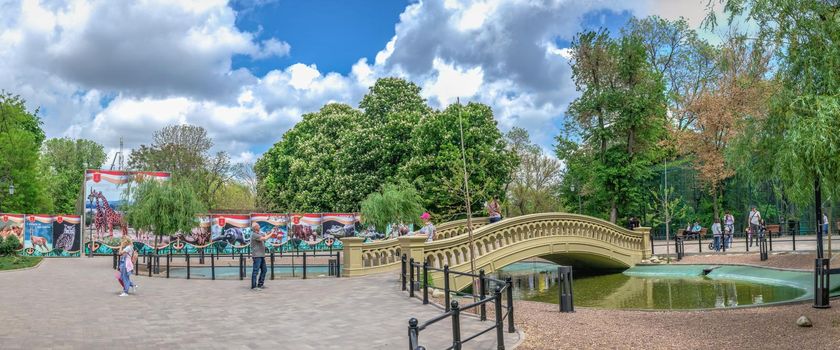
167	268
821	283
456	325
241	267
566	292
482	293
446	286
188	264
212	265
500	335
411	277
149	266
700	242
509	282
412	334
304	265
425	282
272	265
793	236
747	240
771	240
402	271
338	264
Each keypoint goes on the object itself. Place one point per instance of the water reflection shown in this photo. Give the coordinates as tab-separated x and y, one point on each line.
538	281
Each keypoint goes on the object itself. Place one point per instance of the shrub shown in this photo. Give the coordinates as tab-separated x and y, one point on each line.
9	246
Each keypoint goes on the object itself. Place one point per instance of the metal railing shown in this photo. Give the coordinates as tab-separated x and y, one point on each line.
411	274
151	261
750	242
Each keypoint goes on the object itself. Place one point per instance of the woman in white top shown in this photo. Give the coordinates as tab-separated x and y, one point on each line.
126	252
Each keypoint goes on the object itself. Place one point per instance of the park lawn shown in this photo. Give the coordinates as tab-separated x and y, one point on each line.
18	262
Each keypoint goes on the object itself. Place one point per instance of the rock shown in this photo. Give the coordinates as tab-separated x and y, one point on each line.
437	293
804	321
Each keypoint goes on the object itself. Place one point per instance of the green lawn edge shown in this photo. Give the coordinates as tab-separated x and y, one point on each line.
18	262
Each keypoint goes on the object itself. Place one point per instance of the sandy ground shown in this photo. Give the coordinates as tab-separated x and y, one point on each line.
772	327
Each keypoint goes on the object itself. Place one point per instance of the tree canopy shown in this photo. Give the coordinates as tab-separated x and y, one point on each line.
63	163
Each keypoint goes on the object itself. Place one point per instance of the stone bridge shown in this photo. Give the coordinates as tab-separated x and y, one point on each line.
567	239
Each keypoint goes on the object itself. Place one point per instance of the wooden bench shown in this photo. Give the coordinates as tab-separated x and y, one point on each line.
773	230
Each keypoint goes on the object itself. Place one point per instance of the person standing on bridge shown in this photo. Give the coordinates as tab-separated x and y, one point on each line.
428	228
258	254
494	210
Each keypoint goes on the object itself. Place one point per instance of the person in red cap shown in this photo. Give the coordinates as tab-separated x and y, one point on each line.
428	228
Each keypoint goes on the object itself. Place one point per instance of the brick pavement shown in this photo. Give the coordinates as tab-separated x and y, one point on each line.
73	303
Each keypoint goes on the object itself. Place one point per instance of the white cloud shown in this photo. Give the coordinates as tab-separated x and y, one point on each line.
110	69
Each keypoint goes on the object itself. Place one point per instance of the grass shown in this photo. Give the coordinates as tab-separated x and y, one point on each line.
18	262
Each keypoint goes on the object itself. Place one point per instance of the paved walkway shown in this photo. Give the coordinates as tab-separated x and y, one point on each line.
739	245
73	303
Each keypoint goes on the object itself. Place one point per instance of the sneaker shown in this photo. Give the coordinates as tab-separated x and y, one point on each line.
134	288
262	287
124	294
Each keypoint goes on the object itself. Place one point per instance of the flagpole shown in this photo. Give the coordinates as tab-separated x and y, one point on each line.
467	194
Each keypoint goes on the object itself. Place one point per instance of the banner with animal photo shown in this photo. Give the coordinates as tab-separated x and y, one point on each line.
105	192
12	224
66	234
231	229
278	224
305	227
37	234
339	224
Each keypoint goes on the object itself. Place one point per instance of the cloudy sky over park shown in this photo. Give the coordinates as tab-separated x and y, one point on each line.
246	70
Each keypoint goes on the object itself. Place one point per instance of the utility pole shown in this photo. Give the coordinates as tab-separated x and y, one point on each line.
467	193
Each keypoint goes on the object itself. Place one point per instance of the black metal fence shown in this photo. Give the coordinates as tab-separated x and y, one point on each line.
416	276
300	264
747	242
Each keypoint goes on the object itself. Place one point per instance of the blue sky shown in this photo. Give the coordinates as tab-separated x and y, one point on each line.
247	70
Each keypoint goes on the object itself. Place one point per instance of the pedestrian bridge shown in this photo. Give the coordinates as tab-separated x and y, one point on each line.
567	239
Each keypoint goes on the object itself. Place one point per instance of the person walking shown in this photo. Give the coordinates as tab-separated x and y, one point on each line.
494	210
258	254
755	224
716	232
728	229
824	223
126	251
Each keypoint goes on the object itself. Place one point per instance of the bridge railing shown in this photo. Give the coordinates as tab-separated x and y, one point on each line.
416	274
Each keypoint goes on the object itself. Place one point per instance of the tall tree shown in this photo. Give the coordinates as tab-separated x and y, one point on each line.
20	140
184	150
533	188
619	118
738	92
63	164
436	166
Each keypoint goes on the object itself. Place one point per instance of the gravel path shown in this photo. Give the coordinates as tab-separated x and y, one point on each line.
770	327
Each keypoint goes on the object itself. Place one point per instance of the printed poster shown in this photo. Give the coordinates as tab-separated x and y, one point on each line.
339	224
273	223
231	229
104	202
38	233
306	227
11	224
66	233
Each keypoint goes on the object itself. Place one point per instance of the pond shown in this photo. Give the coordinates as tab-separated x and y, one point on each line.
661	287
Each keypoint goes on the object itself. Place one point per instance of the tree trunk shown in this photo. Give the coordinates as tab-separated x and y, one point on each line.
613	211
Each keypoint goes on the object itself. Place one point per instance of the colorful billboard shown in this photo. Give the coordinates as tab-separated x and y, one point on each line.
305	227
66	233
11	224
231	229
38	233
273	223
105	194
339	224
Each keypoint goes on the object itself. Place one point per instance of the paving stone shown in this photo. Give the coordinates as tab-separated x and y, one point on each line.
73	304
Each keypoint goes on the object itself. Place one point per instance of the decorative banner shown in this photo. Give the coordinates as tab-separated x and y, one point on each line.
199	235
273	223
11	224
104	194
38	235
66	233
232	229
339	225
306	227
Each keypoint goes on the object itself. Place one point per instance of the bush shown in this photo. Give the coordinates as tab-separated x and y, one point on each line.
9	246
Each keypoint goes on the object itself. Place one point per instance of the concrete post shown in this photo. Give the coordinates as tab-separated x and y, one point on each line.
413	247
353	264
646	250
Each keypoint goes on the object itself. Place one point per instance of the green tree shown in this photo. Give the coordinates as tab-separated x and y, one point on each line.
534	184
436	167
163	207
396	203
618	122
63	164
20	140
184	151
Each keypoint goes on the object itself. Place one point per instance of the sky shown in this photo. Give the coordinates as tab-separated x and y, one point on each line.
247	70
